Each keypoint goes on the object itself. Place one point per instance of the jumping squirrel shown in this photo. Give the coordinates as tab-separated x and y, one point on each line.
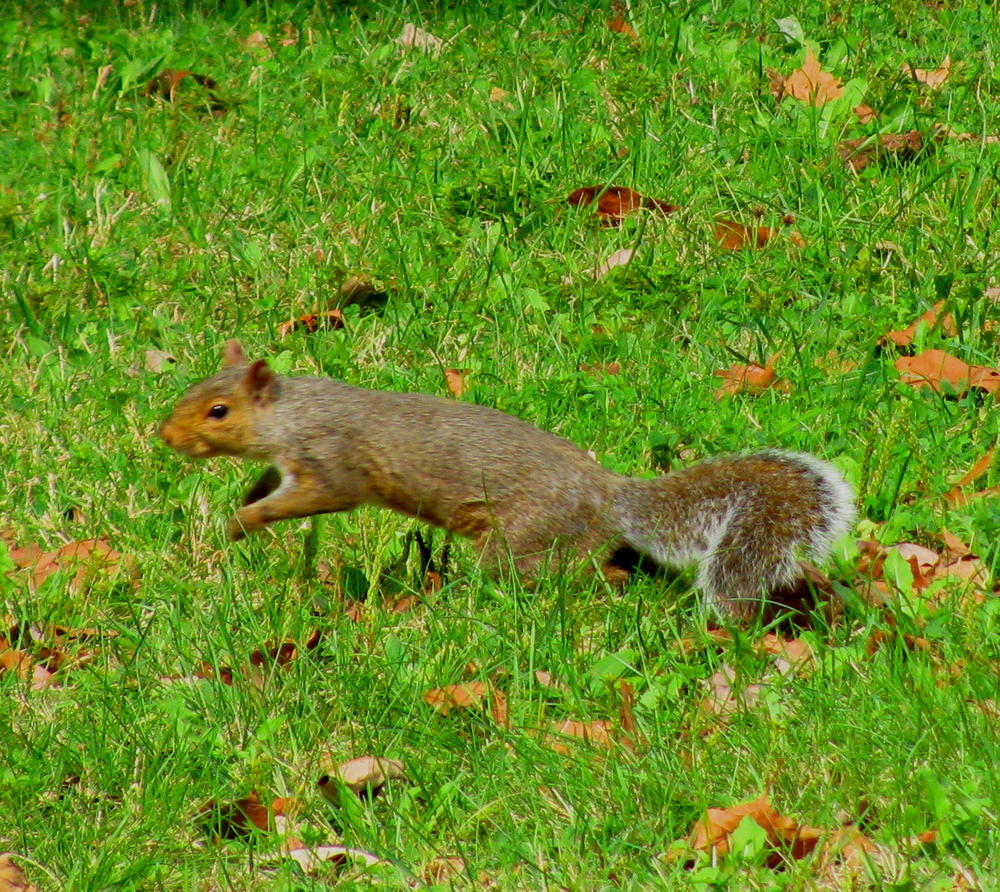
521	494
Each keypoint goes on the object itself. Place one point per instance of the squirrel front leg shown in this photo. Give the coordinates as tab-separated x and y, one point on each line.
300	493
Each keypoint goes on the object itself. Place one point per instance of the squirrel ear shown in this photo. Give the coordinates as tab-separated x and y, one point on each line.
233	355
259	382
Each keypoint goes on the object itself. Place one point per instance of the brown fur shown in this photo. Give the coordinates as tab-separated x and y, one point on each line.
518	492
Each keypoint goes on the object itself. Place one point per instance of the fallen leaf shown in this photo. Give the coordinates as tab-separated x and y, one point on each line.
417	38
615	202
235	820
751	379
166	85
864	113
285	651
945	373
722	698
712	833
455	379
791	654
90	558
810	83
364	776
255	41
735	236
619	258
859	153
598	368
291	33
597	733
904	337
12	878
933	78
956	498
619	20
309	859
157	360
311	322
498	94
442	869
457	696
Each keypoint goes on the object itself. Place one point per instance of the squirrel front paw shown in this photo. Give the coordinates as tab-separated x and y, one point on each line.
236	530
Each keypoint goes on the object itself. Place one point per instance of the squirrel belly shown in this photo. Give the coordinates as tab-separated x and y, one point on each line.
523	495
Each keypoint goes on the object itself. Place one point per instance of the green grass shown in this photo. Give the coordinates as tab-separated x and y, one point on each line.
129	222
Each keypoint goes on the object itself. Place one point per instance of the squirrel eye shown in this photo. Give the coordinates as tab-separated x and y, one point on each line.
218	411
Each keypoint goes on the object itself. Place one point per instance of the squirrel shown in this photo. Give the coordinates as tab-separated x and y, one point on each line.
517	491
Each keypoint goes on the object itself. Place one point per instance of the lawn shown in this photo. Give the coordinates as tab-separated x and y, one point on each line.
378	193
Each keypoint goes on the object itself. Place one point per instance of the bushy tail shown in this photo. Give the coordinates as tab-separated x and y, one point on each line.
746	521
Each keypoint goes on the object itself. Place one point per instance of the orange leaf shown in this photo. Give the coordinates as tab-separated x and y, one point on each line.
735	236
597	732
619	21
811	84
457	696
614	202
310	322
904	337
234	820
456	381
946	373
712	832
750	378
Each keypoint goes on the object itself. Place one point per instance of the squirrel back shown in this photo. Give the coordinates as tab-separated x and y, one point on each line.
521	494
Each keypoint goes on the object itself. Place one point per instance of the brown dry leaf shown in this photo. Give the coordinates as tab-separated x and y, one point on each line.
791	654
601	368
443	869
311	859
417	38
291	33
615	202
721	699
618	258
469	695
12	878
619	20
752	379
713	831
255	41
455	378
285	651
810	83
157	360
933	78
904	337
311	322
89	557
735	236
364	776
945	373
21	663
498	94
957	499
912	642
559	735
235	820
865	113
859	153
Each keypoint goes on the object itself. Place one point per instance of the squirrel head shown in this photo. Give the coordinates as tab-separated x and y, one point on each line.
218	416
